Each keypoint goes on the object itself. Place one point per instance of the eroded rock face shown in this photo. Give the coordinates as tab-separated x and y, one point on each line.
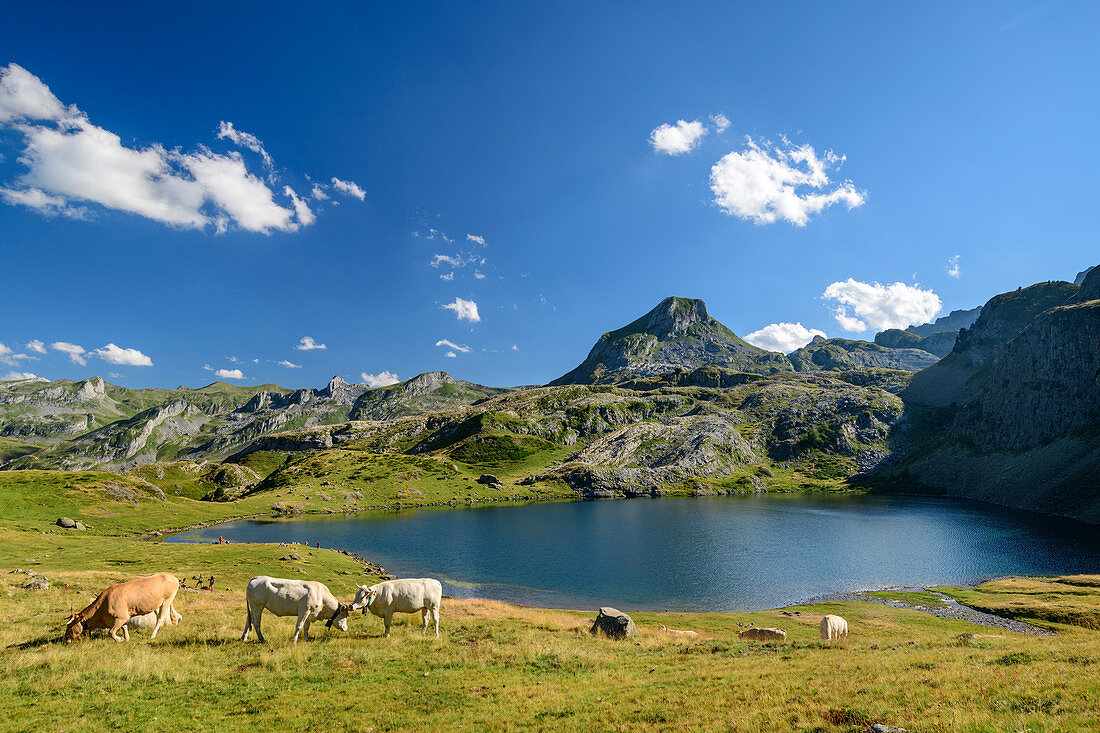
844	354
613	624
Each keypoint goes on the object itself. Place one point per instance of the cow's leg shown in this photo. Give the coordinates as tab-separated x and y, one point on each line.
119	624
305	629
302	616
257	615
435	618
126	632
162	616
388	618
424	614
247	622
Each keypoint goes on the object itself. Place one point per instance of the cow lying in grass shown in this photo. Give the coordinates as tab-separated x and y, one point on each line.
118	604
407	595
309	600
148	621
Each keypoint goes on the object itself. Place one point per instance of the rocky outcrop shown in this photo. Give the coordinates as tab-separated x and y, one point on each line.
936	338
678	334
612	623
838	354
427	392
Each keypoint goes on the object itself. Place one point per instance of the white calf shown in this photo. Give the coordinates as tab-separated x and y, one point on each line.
407	595
307	599
833	627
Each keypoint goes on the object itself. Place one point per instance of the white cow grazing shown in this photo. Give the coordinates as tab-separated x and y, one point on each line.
149	621
833	627
407	595
307	599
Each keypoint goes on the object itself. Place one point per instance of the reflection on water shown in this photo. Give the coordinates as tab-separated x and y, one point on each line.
715	553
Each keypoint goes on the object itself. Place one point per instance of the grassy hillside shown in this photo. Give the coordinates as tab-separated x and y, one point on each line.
497	666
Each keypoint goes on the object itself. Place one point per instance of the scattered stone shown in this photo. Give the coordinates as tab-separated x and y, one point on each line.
292	556
66	523
487	479
613	624
39	583
880	728
80	526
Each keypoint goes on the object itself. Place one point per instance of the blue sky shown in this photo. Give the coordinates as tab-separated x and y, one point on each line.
867	145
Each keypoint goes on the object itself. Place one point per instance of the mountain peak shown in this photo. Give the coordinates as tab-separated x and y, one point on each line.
678	334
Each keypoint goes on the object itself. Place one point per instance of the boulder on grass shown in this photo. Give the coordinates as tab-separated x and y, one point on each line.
66	523
613	623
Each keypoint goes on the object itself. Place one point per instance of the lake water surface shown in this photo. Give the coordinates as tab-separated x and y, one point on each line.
709	553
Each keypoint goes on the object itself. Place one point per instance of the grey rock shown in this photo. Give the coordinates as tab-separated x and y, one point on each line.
292	556
66	522
613	624
80	526
881	728
39	583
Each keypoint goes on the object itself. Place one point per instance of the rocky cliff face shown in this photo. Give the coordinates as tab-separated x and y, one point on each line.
1020	422
428	392
936	338
678	334
843	354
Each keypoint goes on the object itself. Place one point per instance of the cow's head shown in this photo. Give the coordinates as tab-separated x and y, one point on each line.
364	598
74	629
340	618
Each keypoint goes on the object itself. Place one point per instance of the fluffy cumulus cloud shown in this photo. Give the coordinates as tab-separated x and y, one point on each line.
677	139
20	376
350	188
71	163
308	344
382	379
721	122
765	183
37	347
465	310
952	267
117	355
230	373
785	337
861	306
288	364
74	352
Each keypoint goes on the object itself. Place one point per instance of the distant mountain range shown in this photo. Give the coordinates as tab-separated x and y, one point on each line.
672	402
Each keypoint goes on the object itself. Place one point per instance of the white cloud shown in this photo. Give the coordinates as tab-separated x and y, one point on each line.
244	140
318	192
42	202
12	376
349	187
382	379
721	122
479	275
117	355
458	260
453	346
766	183
23	96
229	374
74	352
952	267
308	344
475	238
301	208
450	355
515	348
9	357
785	337
465	310
68	159
37	347
288	364
863	306
448	276
677	139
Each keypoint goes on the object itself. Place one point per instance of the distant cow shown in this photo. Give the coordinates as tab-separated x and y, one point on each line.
833	627
122	601
755	634
407	595
678	632
309	600
149	621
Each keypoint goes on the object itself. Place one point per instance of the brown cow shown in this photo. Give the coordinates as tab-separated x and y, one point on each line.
115	606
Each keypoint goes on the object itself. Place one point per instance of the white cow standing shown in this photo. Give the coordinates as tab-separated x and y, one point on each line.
833	627
407	595
309	600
